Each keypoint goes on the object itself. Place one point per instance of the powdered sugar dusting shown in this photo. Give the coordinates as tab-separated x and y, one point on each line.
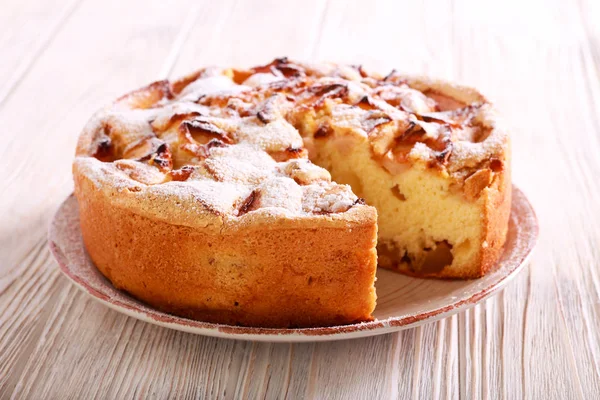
325	198
211	85
216	142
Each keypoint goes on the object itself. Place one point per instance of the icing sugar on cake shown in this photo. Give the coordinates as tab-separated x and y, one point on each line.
234	131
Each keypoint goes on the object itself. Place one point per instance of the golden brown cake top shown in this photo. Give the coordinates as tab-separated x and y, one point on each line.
230	141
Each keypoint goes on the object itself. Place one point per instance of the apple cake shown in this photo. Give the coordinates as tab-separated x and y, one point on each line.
268	196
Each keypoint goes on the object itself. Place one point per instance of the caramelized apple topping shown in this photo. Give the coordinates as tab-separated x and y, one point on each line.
282	67
182	174
389	76
147	96
271	108
161	157
189	144
200	127
330	90
496	165
361	71
374	119
290	152
304	172
366	103
323	92
323	131
444	103
140	172
475	183
104	150
181	83
249	202
263	116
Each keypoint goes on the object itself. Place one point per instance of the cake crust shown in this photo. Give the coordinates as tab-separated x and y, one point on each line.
264	273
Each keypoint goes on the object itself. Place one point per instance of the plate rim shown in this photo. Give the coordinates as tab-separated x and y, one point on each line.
340	332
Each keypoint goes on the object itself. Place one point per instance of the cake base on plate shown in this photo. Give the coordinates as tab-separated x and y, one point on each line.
403	302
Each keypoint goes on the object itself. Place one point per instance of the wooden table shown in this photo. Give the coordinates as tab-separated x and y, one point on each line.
539	61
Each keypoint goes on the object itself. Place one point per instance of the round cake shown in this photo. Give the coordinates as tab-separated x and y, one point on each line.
268	196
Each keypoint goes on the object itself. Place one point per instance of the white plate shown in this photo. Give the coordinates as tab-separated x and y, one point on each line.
402	303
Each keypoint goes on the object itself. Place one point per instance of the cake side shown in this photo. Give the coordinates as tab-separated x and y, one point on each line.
246	274
498	198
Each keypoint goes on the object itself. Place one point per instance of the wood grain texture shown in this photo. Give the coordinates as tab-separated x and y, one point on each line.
538	60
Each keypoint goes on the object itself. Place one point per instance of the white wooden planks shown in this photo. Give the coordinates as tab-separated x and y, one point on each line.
538	60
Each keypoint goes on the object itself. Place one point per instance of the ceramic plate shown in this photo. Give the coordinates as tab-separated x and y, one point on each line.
402	303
